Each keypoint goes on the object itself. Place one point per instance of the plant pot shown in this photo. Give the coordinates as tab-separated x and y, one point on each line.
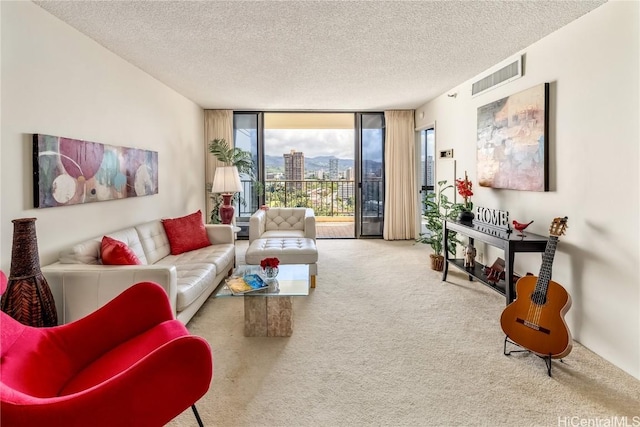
466	216
437	262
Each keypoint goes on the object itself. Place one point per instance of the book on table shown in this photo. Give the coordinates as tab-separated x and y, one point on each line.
247	283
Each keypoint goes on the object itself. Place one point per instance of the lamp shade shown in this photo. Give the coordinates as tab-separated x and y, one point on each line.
226	180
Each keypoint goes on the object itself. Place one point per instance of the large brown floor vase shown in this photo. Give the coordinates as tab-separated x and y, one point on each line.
28	298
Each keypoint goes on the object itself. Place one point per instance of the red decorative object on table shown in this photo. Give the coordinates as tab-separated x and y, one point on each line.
226	181
465	189
521	227
226	209
270	267
269	262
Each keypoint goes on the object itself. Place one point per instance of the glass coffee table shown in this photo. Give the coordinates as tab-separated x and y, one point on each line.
269	312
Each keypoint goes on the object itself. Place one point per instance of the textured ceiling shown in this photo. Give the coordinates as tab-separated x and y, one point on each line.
315	55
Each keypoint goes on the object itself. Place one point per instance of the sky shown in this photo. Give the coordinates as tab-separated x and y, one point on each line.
321	142
312	142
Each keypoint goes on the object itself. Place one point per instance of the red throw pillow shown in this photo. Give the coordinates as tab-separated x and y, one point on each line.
115	252
186	233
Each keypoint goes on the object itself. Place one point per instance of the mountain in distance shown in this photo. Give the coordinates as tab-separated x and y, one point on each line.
311	164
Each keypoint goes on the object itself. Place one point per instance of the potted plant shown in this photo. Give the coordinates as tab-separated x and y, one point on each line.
230	157
437	208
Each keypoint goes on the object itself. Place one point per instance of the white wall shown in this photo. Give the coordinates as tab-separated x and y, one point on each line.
593	67
59	82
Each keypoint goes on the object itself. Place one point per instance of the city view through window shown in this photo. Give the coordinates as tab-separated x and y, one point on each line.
311	160
310	167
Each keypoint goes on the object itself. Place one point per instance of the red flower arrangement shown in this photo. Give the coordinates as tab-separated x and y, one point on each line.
270	262
465	189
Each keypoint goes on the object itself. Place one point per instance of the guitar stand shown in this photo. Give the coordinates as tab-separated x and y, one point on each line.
547	359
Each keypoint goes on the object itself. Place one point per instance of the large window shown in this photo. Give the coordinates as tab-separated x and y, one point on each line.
309	162
330	162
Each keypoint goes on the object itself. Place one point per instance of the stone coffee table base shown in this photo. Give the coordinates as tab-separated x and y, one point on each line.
268	316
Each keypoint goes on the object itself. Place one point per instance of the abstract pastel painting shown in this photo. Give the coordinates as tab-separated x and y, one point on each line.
72	171
512	141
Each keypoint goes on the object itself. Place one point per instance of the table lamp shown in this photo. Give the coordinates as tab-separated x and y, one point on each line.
226	181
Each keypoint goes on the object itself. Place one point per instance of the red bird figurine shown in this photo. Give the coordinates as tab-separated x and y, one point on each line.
521	227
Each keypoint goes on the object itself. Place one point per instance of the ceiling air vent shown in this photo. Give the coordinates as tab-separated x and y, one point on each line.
504	75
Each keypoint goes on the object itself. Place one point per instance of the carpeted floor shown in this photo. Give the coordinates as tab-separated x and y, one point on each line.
382	341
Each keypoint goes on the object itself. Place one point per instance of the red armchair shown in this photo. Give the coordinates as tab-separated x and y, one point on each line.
127	364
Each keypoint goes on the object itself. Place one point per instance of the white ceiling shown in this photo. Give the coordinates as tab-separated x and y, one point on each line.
315	55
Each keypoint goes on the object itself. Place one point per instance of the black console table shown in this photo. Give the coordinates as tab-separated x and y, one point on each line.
510	243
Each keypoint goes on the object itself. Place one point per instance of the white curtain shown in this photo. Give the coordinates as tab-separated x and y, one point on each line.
400	176
218	124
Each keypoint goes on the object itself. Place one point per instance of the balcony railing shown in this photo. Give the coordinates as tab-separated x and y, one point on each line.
327	198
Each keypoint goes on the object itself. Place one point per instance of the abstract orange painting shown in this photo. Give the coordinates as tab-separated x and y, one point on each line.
513	143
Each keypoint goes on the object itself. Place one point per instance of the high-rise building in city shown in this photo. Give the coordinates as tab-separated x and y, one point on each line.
348	174
430	178
294	167
345	190
333	169
427	171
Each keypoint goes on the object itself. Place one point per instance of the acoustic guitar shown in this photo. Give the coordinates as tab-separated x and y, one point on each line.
535	319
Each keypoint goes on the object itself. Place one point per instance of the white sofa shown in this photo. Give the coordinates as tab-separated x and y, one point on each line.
188	278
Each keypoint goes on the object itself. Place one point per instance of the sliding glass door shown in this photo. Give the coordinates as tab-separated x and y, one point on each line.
247	135
370	174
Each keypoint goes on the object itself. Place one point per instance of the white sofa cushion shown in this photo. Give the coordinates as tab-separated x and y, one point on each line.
288	234
288	251
154	240
193	280
220	255
285	219
88	252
